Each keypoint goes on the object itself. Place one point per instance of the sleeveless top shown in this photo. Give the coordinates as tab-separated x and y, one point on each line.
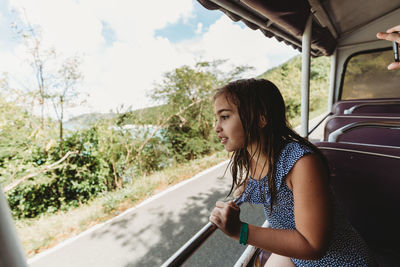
346	247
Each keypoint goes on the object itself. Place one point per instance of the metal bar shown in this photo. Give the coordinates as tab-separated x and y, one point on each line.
322	16
180	256
332	81
385	103
305	81
11	252
334	136
319	123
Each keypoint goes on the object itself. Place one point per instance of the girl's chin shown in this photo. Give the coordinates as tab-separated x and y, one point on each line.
229	149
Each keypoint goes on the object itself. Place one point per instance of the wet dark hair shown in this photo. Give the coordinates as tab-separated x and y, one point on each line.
258	99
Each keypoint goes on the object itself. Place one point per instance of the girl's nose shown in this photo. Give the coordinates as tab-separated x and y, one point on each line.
217	127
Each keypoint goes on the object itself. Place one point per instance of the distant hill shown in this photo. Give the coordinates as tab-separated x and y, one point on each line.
148	115
86	120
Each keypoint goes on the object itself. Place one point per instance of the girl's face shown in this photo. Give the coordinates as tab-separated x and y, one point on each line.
229	126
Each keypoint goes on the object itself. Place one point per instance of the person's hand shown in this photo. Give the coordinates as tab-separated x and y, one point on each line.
226	216
393	35
238	191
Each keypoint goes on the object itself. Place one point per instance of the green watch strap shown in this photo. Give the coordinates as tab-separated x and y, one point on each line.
244	231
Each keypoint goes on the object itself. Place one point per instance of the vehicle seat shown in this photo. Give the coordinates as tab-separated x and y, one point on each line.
360	106
366	183
367	134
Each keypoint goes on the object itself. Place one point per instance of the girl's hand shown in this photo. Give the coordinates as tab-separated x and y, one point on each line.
238	191
226	216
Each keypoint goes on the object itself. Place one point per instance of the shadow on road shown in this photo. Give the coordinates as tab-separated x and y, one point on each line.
177	230
155	243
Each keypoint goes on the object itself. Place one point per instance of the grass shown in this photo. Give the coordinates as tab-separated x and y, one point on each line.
48	230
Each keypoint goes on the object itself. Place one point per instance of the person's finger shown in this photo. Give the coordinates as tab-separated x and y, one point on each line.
394	29
220	204
215	220
394	37
394	66
233	205
216	212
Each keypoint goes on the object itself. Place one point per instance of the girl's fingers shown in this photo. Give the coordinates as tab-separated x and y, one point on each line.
220	204
215	220
231	204
216	212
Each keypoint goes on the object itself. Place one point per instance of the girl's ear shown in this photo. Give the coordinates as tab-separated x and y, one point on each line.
263	121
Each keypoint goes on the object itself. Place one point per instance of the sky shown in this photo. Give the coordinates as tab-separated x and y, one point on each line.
126	46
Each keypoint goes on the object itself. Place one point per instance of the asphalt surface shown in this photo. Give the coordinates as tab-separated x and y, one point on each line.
150	233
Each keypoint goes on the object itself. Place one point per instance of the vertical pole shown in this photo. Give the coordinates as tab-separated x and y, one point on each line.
11	252
305	79
332	81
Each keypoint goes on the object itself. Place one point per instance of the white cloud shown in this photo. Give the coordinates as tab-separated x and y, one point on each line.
227	40
123	72
199	28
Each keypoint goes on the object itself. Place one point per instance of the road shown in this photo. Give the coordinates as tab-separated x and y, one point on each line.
150	233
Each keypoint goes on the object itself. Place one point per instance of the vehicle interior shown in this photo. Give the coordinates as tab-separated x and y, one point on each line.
361	128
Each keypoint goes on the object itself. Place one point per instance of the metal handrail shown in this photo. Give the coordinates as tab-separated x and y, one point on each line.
334	136
321	121
351	110
182	254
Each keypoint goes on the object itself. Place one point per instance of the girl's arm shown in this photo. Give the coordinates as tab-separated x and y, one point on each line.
312	210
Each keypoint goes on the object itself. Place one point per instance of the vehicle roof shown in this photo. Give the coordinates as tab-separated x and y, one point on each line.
285	20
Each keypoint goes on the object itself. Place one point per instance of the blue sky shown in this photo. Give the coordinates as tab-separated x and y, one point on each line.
184	30
126	47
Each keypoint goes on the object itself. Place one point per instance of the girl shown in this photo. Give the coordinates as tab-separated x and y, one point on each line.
273	166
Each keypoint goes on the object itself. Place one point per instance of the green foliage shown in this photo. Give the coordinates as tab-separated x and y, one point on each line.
186	94
106	158
287	78
78	179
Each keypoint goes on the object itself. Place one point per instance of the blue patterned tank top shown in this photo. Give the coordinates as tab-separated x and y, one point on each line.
346	247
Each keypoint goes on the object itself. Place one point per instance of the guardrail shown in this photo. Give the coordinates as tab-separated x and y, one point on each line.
182	254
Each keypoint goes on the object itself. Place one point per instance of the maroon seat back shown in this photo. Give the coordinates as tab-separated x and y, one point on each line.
366	183
368	135
382	105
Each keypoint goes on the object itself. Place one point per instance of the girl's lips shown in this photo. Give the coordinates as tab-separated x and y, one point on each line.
224	140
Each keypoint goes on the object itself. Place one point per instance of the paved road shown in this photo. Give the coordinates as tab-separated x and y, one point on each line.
150	233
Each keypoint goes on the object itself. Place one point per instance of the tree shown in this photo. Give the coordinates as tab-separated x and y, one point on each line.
65	90
56	77
187	93
40	61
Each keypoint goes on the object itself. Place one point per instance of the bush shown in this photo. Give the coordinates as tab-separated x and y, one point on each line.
80	178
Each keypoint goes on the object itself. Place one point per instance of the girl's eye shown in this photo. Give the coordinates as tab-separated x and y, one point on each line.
224	117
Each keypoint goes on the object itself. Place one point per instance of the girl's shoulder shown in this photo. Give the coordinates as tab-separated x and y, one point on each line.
294	149
288	157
